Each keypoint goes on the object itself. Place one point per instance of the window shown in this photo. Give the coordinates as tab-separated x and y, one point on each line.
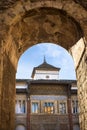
62	108
34	107
47	76
20	106
23	106
74	106
49	107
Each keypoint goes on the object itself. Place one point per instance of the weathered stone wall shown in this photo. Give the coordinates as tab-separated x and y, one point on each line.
82	90
53	21
45	122
79	53
8	94
0	81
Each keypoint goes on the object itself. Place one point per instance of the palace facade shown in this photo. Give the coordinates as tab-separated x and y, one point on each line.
45	102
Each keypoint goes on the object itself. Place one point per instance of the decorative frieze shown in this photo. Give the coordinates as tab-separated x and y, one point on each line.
48	90
48	97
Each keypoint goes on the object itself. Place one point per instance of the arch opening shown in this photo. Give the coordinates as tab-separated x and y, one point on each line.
36	113
64	31
54	54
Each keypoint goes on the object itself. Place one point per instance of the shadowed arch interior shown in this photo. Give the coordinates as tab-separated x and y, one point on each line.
46	25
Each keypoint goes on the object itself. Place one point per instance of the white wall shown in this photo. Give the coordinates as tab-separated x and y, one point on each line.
44	74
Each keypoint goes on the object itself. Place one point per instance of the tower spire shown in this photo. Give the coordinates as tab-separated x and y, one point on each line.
44	59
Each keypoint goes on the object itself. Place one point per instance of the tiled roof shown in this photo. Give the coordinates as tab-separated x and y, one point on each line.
45	66
52	81
45	81
21	90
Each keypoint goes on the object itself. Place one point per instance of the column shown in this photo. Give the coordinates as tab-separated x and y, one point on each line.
28	113
1	62
69	109
7	93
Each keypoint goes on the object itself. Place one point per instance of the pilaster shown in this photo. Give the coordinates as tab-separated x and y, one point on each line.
69	109
28	113
7	93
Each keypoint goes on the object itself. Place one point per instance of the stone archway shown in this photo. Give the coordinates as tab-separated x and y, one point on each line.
20	127
25	23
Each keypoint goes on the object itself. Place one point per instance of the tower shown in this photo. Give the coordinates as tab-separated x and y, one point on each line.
45	71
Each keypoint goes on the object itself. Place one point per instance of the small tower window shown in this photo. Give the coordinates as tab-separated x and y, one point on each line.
47	76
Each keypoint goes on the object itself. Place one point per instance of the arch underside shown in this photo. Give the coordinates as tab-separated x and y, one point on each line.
46	25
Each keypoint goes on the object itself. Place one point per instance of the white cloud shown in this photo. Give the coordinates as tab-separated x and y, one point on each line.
50	50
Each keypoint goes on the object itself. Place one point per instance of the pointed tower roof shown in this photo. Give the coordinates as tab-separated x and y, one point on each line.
45	66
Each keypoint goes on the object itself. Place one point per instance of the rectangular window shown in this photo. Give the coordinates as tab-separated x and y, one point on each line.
34	107
49	107
20	106
23	107
62	108
74	106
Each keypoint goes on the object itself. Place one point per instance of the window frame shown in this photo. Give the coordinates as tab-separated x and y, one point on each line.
23	106
49	107
65	102
38	110
76	106
43	107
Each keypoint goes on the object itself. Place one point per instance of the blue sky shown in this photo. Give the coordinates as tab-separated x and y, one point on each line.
54	54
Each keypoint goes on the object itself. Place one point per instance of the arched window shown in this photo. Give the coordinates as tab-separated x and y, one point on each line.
20	127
